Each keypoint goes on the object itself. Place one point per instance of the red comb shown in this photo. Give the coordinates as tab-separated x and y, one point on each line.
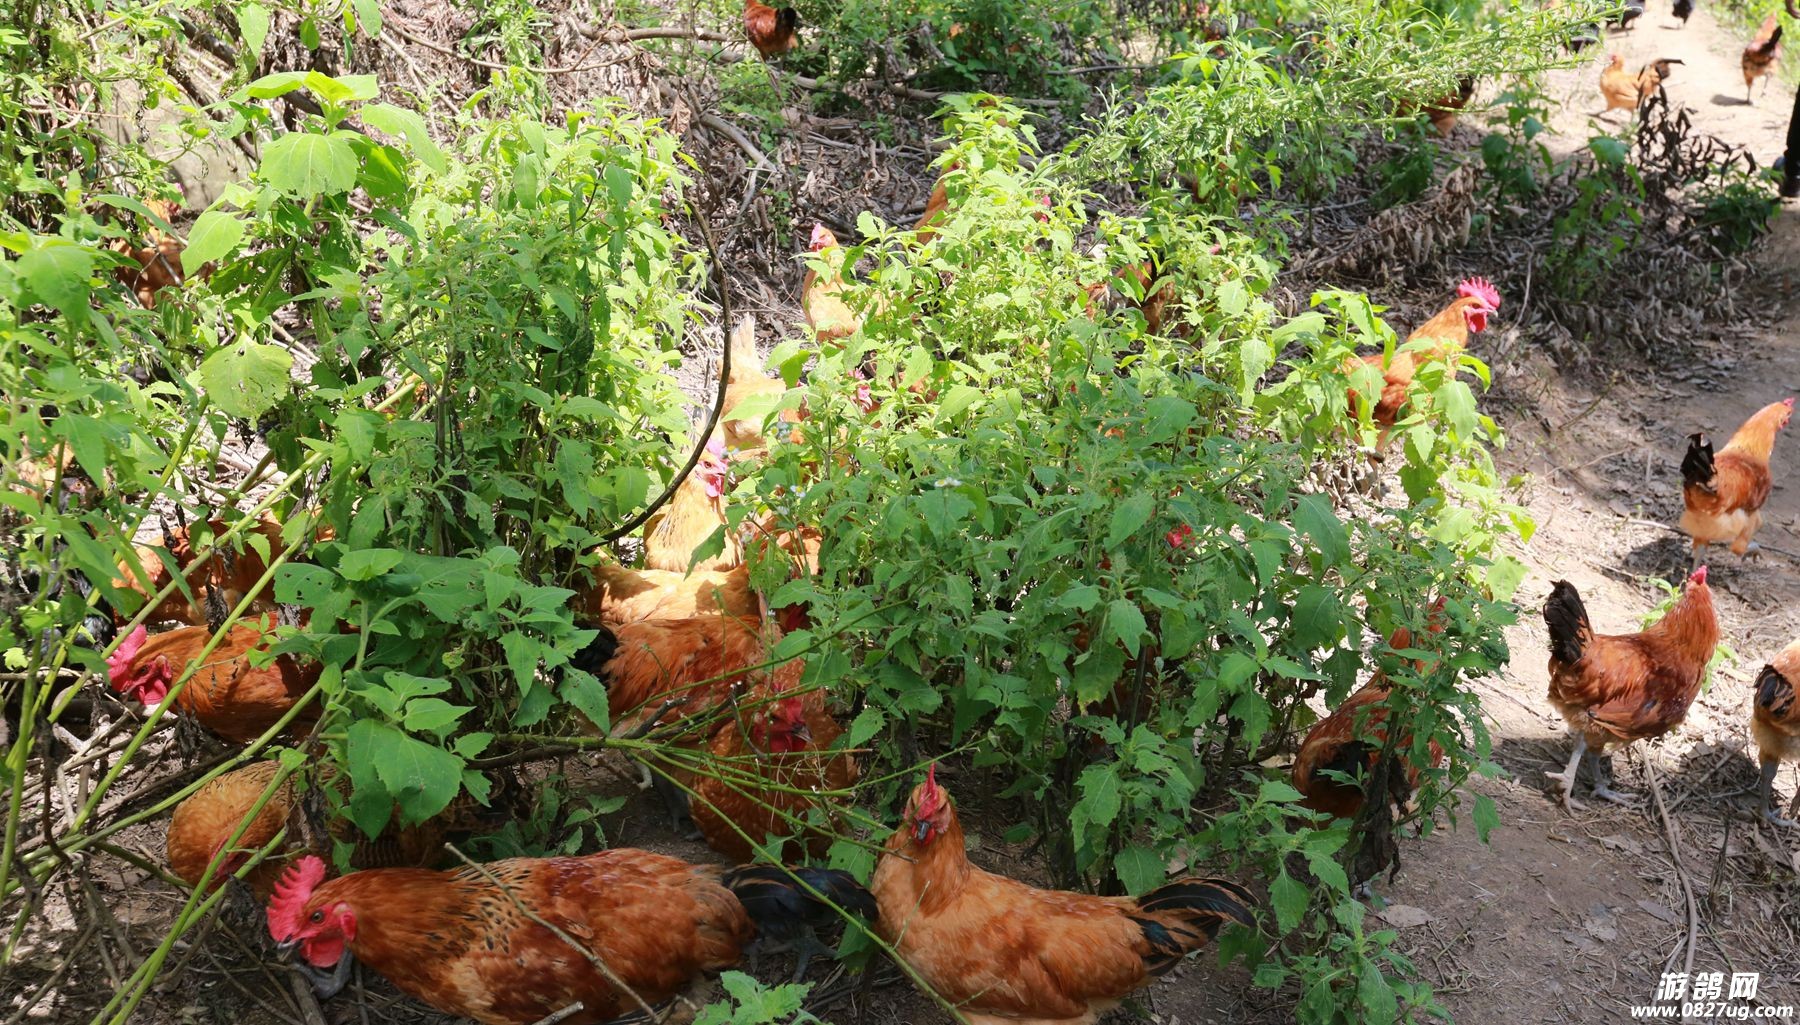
119	662
1699	576
1480	288
291	893
821	237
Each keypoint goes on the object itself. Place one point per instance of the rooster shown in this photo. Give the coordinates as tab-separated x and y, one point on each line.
1722	495
773	31
227	694
1476	300
515	941
1005	952
1760	55
1613	689
202	824
1349	741
1775	723
217	583
694	512
1683	9
821	294
786	744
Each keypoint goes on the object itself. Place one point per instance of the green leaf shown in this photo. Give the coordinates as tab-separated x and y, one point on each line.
422	778
1276	790
1314	517
957	399
1375	995
943	509
432	715
1101	797
368	563
1486	816
278	84
1128	517
863	728
213	237
58	273
522	654
713	545
1125	621
1318	619
1139	869
588	695
1289	899
253	27
246	379
304	165
408	125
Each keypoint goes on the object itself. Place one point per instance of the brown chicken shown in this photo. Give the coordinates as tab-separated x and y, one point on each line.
747	380
217	583
1476	300
1613	689
227	694
788	747
1654	74
1723	494
935	203
692	514
821	295
773	31
1761	54
159	265
1442	113
1349	742
460	942
1618	87
619	595
1775	723
204	822
1002	951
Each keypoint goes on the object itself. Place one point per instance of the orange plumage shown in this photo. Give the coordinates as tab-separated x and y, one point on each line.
1350	740
227	694
619	595
746	381
1723	494
1613	689
218	582
1759	55
1775	723
773	31
1002	951
692	514
1620	88
784	742
1442	113
821	294
1448	330
934	208
698	661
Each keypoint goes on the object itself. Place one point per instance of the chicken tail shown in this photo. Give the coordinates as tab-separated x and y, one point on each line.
1567	619
787	20
1185	915
1774	693
746	362
1697	466
594	656
778	899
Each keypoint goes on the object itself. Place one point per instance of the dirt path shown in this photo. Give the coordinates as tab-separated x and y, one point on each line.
1574	918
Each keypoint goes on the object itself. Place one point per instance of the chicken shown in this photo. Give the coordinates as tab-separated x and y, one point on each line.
1653	75
1775	723
1760	54
747	381
1004	952
204	822
693	513
821	295
787	747
1634	9
1683	9
158	265
1477	299
511	942
1613	689
1618	86
1442	113
227	694
773	31
217	582
1723	494
1349	742
619	595
924	230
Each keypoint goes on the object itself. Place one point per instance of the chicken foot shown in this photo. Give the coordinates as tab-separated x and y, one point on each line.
803	943
1568	776
1603	783
1767	789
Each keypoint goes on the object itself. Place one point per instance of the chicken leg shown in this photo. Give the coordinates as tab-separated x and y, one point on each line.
1603	783
1568	776
1767	788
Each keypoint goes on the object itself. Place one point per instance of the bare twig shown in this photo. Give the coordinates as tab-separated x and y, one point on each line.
1674	842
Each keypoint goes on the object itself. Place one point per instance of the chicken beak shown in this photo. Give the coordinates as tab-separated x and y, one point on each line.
921	830
801	732
286	948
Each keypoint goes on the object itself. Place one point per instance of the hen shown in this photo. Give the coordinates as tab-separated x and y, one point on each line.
821	294
1002	951
514	941
1613	689
1775	723
620	595
1722	495
1477	300
773	31
1619	87
1442	113
204	822
216	583
227	694
1348	742
159	265
1760	55
1683	9
748	380
694	512
768	776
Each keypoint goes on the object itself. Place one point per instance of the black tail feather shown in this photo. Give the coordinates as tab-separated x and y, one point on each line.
787	19
592	658
1201	907
1773	690
781	906
1567	620
1697	465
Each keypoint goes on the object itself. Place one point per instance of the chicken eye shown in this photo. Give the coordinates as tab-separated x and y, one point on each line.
318	916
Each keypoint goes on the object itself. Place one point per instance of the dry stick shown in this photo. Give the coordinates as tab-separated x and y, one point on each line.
492	66
592	958
555	1016
1687	884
